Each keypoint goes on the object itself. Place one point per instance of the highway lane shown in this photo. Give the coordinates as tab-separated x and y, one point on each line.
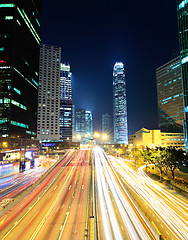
117	215
167	210
13	185
58	208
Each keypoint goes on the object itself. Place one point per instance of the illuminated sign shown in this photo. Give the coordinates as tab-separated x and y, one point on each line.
3	61
29	155
48	144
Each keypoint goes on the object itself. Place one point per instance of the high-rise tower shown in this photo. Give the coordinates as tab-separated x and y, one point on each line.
19	66
89	123
49	93
182	10
66	106
170	96
120	104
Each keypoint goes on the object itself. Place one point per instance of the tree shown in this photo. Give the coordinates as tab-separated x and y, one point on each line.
159	158
174	158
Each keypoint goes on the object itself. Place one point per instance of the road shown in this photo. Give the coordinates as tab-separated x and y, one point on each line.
167	209
117	215
125	204
13	185
58	208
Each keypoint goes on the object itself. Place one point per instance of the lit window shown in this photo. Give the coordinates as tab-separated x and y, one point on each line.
8	17
7	5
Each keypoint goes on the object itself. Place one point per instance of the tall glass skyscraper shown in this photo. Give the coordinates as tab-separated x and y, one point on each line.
182	10
170	96
89	123
66	106
120	104
84	124
19	67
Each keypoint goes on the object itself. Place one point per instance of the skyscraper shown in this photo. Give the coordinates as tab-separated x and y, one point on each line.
49	93
107	127
80	121
19	66
182	10
120	104
170	96
89	123
106	123
66	106
84	124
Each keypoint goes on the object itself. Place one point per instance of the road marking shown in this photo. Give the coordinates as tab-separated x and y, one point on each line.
55	188
167	232
63	226
162	226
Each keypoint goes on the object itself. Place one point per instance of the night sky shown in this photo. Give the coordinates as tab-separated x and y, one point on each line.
94	34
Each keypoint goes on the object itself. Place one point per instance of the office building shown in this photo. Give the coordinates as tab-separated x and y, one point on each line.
66	106
182	10
80	122
89	123
120	104
49	93
156	138
19	67
83	125
107	127
106	123
170	96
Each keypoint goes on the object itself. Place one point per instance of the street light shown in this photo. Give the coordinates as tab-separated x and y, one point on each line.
96	135
78	136
104	136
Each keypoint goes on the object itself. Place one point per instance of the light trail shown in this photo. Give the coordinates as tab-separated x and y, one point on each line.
57	207
134	222
171	210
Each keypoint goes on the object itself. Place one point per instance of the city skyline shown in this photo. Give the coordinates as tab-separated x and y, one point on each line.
98	35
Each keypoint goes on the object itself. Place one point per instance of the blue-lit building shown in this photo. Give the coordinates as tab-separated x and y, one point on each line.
107	127
120	104
182	10
83	124
19	67
66	104
170	96
80	122
89	123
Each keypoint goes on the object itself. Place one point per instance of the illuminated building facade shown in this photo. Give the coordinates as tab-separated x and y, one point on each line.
170	96
49	93
19	66
156	138
120	104
106	123
89	123
107	126
182	10
66	106
83	124
80	121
